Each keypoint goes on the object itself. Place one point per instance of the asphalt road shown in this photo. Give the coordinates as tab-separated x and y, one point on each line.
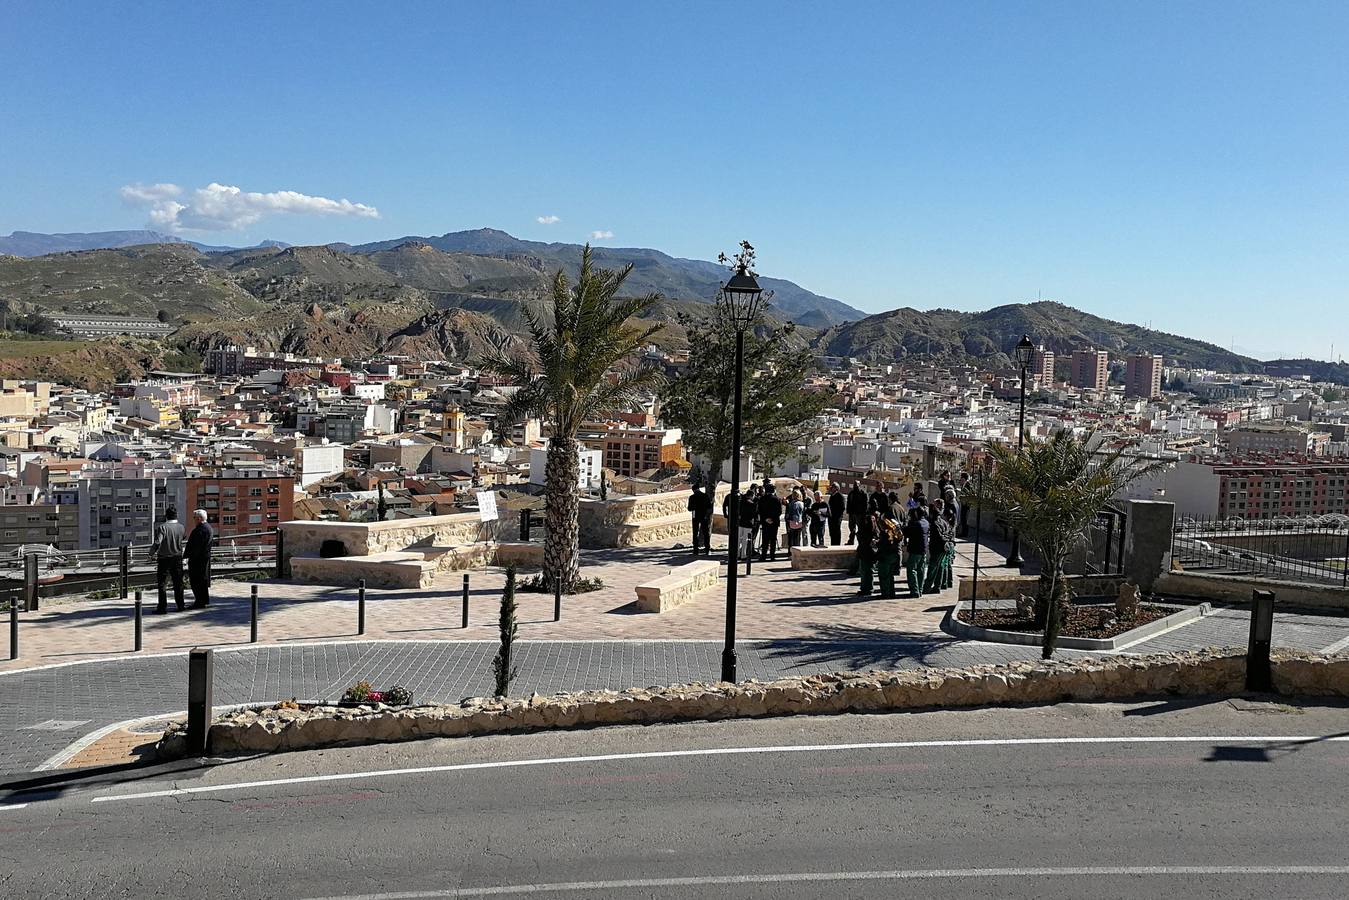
1211	799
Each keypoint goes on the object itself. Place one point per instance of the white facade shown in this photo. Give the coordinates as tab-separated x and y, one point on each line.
592	461
318	461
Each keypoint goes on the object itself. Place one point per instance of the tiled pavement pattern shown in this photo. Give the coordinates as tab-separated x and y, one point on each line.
774	602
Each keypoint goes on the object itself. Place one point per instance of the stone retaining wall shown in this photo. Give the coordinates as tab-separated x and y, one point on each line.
1009	587
1204	672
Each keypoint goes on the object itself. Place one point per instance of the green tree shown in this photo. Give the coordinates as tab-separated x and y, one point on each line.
579	370
503	668
1050	492
776	408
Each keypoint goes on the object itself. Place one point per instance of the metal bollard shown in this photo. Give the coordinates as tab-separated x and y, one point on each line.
124	569
280	554
360	608
138	621
200	695
749	561
464	622
1258	676
557	601
14	626
253	616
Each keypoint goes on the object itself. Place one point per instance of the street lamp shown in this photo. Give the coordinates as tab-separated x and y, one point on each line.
741	297
1024	351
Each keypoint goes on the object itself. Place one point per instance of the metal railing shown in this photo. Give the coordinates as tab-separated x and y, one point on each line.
1105	542
1312	549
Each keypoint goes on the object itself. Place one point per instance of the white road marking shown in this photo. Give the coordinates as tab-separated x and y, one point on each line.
896	875
719	751
1336	647
5	806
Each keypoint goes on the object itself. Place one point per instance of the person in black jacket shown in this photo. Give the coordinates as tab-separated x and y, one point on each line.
856	509
700	507
838	506
915	547
770	516
749	520
199	560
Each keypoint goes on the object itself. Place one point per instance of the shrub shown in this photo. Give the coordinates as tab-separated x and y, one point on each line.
358	693
398	696
535	584
502	666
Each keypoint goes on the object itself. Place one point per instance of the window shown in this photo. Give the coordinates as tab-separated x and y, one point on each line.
230	492
255	520
228	520
255	492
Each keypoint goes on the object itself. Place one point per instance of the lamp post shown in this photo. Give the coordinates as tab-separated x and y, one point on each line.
1024	351
741	296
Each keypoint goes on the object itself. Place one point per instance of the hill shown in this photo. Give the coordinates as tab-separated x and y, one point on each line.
991	335
676	278
134	281
1315	369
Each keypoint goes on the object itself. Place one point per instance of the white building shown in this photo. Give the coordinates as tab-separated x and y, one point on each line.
592	462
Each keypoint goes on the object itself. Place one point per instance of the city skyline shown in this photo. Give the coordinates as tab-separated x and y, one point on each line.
1173	166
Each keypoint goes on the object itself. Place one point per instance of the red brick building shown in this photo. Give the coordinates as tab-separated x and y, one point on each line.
238	502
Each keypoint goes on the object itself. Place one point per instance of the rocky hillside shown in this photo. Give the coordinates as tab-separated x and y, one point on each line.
991	335
653	271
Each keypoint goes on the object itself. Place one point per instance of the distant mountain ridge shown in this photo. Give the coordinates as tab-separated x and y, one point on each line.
653	270
910	334
35	243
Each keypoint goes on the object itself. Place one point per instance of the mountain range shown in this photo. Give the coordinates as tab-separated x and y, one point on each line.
35	243
459	292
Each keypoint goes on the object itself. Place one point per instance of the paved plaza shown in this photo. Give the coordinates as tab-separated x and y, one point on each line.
78	673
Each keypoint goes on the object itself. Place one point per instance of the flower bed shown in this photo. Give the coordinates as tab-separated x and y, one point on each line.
1087	620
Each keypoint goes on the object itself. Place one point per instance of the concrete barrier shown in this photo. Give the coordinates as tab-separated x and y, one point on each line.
1237	589
679	587
816	558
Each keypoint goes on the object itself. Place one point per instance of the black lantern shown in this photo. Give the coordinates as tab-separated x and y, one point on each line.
743	296
1024	351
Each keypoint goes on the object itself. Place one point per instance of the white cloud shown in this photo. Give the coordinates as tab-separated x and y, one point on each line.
548	220
222	207
601	235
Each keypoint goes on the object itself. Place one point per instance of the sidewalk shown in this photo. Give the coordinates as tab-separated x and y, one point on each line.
774	602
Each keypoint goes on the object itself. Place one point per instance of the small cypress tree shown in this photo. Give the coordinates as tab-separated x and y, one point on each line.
502	666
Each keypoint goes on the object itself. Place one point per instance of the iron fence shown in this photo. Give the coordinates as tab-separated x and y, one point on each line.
1105	542
1312	549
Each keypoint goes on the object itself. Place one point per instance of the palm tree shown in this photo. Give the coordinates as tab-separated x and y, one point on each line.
570	376
1050	492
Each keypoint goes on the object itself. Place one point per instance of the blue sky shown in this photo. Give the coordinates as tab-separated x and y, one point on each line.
1179	164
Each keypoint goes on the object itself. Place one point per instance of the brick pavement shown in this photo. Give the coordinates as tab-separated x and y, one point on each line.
774	602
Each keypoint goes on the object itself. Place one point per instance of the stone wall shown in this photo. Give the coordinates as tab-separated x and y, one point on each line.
1194	673
304	538
1009	587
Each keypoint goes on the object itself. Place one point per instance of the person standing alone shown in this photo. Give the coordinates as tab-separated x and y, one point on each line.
857	510
199	560
700	506
167	553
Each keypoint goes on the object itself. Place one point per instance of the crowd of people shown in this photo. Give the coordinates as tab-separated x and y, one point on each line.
887	530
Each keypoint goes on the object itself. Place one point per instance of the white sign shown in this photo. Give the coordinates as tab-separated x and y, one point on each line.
487	505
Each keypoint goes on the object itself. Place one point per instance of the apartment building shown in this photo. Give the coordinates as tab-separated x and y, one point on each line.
40	524
120	502
1042	365
1143	376
243	501
1091	369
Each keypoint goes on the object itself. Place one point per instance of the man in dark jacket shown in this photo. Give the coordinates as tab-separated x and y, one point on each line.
838	505
856	509
770	517
700	507
915	548
167	553
199	561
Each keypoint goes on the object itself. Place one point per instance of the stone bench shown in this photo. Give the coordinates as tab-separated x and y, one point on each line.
808	558
415	567
679	587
